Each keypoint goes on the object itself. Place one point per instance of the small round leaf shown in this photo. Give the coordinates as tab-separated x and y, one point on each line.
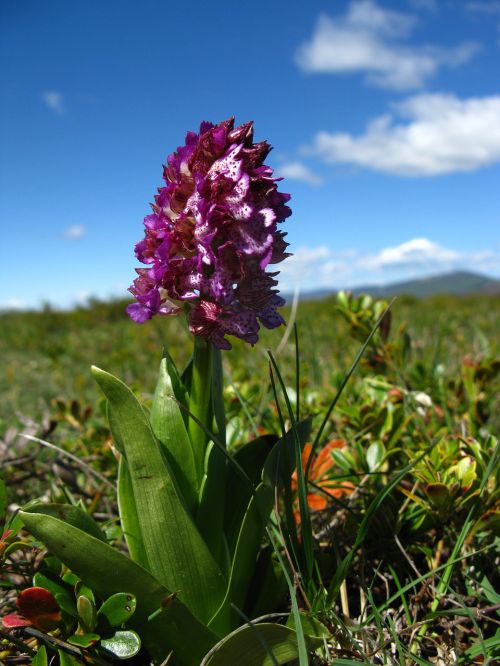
123	645
118	608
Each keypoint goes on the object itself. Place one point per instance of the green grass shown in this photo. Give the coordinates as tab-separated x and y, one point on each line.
402	570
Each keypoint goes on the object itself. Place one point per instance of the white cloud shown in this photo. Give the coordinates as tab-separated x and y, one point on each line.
299	171
311	268
54	101
416	253
443	135
320	267
75	232
368	39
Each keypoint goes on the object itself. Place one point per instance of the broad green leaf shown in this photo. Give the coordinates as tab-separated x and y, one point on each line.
128	515
278	466
123	645
115	429
210	515
67	604
107	571
251	457
247	549
310	625
40	659
268	589
256	645
74	516
118	609
178	386
176	553
169	428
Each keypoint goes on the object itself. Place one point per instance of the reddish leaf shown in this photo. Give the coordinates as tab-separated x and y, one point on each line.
40	608
14	620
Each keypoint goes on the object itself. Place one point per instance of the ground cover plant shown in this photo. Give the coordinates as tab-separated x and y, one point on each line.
333	500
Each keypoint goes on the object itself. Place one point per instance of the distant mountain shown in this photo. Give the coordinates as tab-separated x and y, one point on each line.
457	283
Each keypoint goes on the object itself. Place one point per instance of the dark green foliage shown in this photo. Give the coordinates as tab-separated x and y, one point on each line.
401	566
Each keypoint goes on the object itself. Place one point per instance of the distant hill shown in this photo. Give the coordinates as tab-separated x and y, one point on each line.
457	283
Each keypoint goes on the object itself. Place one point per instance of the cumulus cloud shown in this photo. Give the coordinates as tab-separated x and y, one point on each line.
415	253
299	171
442	134
369	39
75	232
54	101
320	267
313	268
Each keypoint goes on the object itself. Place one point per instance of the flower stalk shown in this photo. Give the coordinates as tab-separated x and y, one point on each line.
200	402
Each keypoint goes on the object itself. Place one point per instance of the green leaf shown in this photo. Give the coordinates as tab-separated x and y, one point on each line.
123	645
210	516
67	604
86	614
217	396
40	659
278	465
118	609
310	625
302	480
3	500
245	555
84	640
492	645
169	428
256	645
178	386
200	403
251	457
66	659
176	553
74	516
83	590
375	454
63	596
108	571
128	515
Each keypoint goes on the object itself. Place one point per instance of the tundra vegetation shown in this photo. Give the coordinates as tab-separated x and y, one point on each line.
380	547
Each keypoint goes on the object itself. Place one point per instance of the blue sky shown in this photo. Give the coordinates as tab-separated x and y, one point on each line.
384	117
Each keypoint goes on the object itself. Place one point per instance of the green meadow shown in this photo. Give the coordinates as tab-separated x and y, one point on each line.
402	490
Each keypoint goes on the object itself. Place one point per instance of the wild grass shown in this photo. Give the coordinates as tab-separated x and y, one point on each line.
385	547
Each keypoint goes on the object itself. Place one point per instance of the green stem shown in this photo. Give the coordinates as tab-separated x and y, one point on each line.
200	401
